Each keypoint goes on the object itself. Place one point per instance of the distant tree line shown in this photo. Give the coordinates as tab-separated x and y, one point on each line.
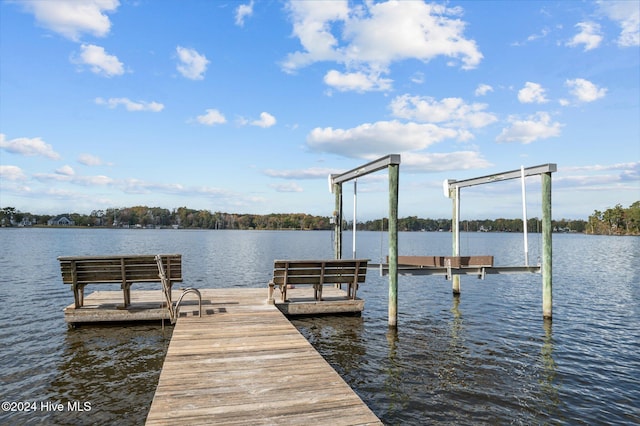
612	221
414	223
158	217
615	221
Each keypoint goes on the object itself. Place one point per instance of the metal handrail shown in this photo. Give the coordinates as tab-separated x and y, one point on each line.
185	292
174	311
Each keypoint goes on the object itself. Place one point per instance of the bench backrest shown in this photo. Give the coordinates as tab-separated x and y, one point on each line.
319	271
118	268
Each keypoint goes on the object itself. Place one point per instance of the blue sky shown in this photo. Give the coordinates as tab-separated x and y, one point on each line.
247	107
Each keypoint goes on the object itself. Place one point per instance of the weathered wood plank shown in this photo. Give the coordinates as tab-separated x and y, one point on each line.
247	364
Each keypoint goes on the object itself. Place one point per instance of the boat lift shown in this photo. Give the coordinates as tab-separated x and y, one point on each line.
450	266
392	163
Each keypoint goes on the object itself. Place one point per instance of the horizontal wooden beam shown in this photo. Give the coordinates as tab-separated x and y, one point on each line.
470	270
512	174
371	167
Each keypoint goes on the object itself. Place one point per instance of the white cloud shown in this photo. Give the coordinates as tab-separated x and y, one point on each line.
90	160
600	177
356	81
366	38
310	173
287	187
532	93
243	11
440	162
130	105
312	25
428	31
71	18
67	174
589	36
211	117
417	78
533	37
30	147
584	90
13	173
266	120
600	167
483	89
99	61
66	170
537	126
378	138
627	15
192	64
452	112
543	33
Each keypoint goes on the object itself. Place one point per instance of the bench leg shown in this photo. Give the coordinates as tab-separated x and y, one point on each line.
126	291
78	295
270	299
351	291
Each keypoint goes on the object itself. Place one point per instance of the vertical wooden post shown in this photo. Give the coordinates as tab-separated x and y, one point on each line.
337	226
547	248
455	232
394	172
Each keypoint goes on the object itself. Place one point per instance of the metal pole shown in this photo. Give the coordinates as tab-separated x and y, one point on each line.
394	172
547	248
524	217
355	215
337	226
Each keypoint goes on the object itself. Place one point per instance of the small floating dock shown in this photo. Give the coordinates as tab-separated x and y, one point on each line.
243	362
147	305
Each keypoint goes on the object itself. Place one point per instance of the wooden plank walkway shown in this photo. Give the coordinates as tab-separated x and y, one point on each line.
244	363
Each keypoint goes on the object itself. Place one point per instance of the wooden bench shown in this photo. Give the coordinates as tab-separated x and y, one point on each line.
78	271
317	273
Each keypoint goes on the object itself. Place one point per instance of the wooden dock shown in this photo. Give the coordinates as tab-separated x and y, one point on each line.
146	305
243	363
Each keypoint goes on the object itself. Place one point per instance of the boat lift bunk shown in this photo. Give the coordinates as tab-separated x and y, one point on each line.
453	266
450	266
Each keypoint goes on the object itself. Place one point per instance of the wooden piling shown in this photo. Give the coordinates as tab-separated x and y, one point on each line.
455	225
337	216
394	172
547	247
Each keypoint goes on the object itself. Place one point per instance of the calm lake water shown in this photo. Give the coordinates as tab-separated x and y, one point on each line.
486	357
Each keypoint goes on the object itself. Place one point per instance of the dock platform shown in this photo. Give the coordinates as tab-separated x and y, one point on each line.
243	363
146	305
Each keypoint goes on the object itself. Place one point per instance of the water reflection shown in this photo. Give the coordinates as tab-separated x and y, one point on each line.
111	369
393	383
341	339
548	387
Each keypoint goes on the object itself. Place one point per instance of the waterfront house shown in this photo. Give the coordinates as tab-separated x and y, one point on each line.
60	221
